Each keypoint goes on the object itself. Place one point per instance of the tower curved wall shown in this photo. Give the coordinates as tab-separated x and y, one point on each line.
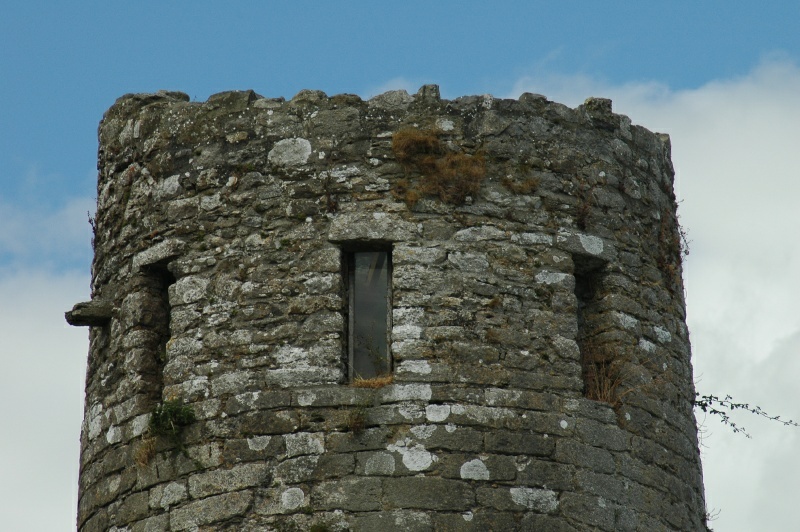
540	362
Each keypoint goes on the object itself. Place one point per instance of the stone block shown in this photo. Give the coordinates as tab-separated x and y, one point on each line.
365	440
90	313
252	449
606	436
593	511
545	474
376	463
394	521
296	470
165	495
304	443
608	487
133	508
158	523
349	494
428	493
594	458
480	467
227	480
210	510
518	498
508	442
449	437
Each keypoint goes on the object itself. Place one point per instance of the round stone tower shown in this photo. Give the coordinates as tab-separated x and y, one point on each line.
405	313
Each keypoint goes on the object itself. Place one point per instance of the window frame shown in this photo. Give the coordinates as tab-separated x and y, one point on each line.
349	253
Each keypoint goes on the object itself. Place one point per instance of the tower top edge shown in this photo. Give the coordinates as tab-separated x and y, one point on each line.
596	109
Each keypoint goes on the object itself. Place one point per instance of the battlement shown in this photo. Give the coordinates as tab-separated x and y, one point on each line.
405	313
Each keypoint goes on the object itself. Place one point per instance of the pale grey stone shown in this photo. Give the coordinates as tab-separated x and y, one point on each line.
290	152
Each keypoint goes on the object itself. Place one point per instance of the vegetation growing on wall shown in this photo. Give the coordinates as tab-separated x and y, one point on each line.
375	382
169	418
722	408
673	247
603	374
451	176
584	207
167	421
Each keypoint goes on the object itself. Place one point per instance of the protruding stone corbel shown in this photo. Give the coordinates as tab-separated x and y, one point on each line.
89	314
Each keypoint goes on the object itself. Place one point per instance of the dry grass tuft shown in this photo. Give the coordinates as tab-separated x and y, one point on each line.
602	381
610	374
525	186
374	382
455	176
673	247
450	176
495	302
404	190
357	420
494	336
584	206
409	144
146	452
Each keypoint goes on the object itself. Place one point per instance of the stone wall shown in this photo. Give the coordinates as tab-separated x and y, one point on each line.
541	361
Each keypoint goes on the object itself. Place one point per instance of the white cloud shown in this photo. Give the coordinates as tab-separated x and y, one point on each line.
735	149
41	398
36	235
45	254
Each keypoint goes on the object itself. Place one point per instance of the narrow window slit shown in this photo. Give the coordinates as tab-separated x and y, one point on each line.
157	316
596	361
368	276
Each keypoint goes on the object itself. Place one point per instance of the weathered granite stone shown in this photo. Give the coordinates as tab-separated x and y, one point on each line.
225	480
210	510
350	494
93	313
535	322
428	493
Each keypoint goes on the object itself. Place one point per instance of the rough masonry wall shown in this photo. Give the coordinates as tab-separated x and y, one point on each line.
542	376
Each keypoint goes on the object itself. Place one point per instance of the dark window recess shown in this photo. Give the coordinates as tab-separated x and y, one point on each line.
156	321
368	275
595	359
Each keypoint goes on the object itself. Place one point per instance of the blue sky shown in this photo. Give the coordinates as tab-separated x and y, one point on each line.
63	64
721	77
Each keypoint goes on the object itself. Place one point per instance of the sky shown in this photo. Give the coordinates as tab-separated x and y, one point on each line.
722	78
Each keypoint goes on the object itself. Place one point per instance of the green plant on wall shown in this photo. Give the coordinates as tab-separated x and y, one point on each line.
169	419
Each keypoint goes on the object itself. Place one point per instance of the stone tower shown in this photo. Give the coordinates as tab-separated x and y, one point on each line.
405	313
